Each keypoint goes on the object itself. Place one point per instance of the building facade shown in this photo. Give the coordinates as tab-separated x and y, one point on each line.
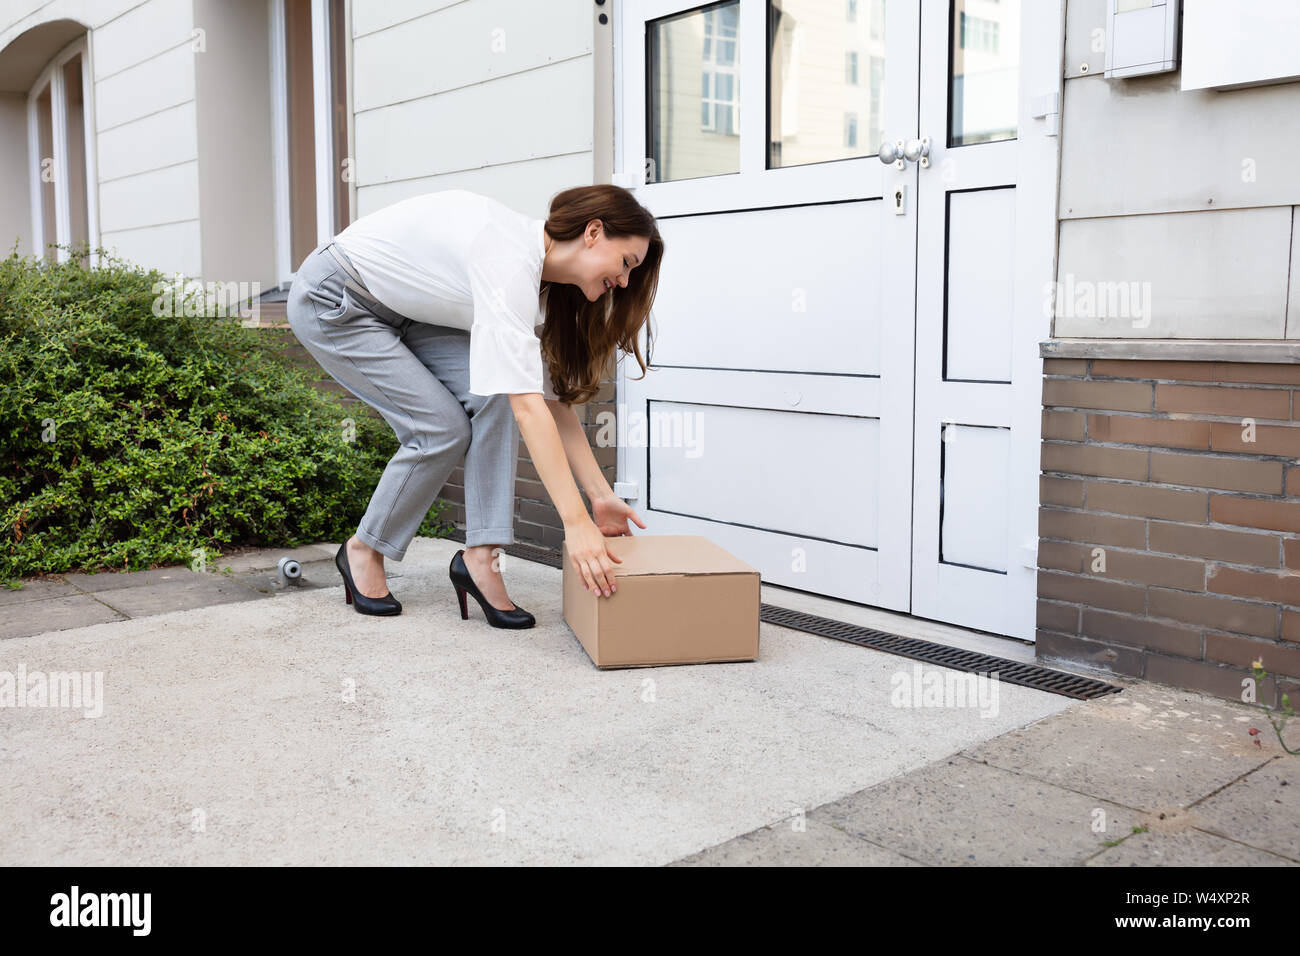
975	310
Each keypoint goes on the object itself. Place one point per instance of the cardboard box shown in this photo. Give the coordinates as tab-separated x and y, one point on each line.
681	599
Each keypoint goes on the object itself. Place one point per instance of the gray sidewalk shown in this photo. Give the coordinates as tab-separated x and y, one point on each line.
248	723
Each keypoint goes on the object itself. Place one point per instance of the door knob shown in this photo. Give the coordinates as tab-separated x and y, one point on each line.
892	153
918	149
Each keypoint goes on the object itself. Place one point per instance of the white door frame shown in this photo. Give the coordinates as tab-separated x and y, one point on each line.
322	128
52	75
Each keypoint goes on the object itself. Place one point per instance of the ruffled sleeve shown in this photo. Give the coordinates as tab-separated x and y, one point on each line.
505	352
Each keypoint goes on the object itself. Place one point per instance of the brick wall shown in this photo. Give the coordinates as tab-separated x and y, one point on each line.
1169	529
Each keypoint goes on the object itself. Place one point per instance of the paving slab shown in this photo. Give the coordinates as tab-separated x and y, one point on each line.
259	559
37	589
187	590
1261	809
294	730
1149	748
961	812
1189	847
783	844
54	613
100	581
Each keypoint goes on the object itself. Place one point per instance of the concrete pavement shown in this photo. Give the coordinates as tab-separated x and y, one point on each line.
244	723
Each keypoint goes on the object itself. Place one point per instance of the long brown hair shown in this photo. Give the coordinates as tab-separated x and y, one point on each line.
580	337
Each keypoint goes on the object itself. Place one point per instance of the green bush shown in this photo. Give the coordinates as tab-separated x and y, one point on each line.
131	441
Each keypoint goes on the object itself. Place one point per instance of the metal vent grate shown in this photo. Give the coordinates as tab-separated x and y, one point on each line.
1009	671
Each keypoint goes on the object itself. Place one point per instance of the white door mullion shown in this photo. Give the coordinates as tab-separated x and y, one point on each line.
751	53
321	98
92	166
59	139
284	266
34	163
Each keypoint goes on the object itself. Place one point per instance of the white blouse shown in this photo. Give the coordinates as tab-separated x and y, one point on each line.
460	259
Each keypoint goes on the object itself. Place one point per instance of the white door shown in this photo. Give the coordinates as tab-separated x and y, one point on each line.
986	241
783	410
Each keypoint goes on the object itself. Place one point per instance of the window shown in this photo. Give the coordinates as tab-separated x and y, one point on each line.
984	91
686	138
720	108
805	96
60	151
979	34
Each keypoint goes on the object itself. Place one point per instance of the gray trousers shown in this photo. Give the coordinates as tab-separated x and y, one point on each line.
416	376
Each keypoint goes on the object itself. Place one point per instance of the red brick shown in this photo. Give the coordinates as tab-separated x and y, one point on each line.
1218	680
1094	460
1290	553
1211	611
1141	567
1092	528
1232	547
1115	396
1150	502
1064	366
1278	587
1272	403
1151	369
1291	626
1090	590
1058	617
1066	426
1163	432
1278	657
1259	373
1142	632
1270	513
1215	471
1282	441
1066	492
1117	660
1062	555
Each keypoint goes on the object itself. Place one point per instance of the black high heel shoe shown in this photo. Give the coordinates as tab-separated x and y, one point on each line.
385	605
460	578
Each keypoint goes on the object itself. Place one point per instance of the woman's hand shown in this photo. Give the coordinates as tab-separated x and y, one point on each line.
591	557
610	514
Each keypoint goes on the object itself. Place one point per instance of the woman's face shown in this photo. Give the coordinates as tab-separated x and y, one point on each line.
608	262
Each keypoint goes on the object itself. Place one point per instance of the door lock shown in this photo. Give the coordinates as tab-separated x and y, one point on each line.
899	152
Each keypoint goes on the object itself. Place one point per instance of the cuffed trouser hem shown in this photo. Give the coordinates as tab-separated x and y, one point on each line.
501	536
383	547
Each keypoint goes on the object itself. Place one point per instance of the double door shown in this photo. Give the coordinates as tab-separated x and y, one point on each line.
858	209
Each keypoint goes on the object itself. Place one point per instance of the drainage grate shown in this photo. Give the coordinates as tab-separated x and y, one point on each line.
1009	671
